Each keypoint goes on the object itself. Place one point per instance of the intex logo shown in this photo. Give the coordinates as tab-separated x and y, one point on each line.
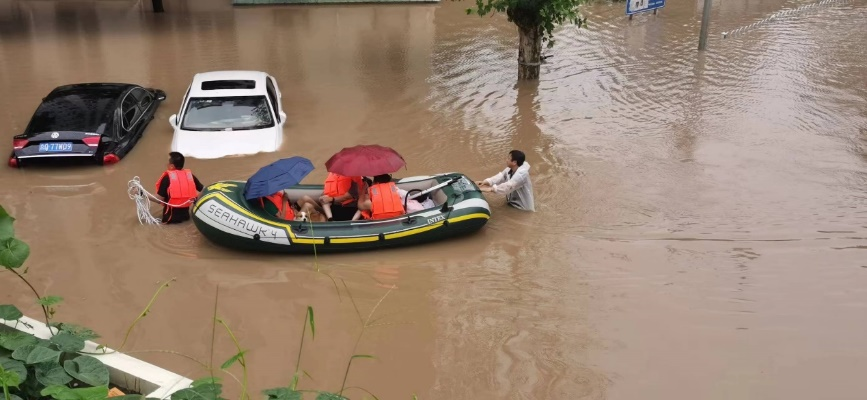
55	135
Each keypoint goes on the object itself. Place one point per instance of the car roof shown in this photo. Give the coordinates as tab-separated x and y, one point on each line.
238	79
95	89
81	107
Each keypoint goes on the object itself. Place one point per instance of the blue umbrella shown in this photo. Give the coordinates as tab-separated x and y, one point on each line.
279	175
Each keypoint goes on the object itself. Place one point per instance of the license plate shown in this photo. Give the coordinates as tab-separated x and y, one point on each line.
55	146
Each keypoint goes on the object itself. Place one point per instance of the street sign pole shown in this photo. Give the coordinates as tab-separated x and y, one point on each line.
705	21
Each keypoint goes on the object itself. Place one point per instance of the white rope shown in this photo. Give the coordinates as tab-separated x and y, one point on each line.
143	199
142	202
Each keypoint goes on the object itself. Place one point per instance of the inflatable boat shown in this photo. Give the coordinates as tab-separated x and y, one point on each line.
224	217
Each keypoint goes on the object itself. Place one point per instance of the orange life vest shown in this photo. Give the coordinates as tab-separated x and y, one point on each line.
277	200
385	202
338	185
182	187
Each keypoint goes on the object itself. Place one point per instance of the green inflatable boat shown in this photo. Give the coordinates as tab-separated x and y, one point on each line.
224	217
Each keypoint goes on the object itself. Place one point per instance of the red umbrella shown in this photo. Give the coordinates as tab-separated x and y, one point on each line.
365	160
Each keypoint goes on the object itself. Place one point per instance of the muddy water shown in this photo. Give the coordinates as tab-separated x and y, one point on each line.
701	226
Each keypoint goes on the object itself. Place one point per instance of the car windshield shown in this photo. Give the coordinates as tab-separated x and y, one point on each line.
222	113
85	111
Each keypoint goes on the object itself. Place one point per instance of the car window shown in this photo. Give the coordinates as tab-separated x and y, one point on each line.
129	111
272	96
227	113
143	97
80	111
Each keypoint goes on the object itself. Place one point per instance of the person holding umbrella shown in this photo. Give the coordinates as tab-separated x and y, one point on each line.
382	198
340	196
279	205
266	186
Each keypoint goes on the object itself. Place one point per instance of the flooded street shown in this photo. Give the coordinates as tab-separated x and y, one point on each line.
701	224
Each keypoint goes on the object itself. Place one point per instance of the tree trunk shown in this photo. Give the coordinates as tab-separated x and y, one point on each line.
158	6
529	52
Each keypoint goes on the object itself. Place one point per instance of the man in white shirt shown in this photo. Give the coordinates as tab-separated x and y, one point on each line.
514	182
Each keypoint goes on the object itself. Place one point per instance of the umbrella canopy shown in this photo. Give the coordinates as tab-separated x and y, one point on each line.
279	175
365	160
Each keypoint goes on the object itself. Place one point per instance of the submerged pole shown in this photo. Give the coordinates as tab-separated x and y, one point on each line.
705	21
158	6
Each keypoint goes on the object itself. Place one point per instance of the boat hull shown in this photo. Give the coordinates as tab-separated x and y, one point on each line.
225	218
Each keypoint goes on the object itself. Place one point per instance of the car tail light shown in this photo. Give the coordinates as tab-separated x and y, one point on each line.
110	159
91	141
19	144
13	162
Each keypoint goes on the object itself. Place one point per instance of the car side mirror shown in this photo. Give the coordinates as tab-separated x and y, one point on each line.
282	117
173	121
161	95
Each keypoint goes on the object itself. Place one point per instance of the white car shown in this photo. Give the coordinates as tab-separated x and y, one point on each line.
227	113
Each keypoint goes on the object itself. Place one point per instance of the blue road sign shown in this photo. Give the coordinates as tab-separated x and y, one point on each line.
639	6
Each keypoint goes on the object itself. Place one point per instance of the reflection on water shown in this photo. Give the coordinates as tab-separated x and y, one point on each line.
700	218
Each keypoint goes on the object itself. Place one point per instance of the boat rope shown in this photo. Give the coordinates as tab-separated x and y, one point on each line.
780	14
143	199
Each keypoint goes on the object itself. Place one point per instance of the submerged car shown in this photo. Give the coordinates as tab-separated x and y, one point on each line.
98	121
229	113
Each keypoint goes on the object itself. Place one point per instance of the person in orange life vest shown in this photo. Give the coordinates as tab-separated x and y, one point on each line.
383	200
178	187
340	196
280	206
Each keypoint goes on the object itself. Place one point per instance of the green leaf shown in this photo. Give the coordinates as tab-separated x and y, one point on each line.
67	342
13	253
363	356
312	325
129	397
329	396
9	378
282	394
16	366
207	391
88	370
92	393
54	390
14	397
232	360
215	380
86	393
13	340
6	220
50	300
51	374
35	354
76	330
10	312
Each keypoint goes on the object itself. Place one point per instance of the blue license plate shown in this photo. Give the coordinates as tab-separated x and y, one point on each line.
55	146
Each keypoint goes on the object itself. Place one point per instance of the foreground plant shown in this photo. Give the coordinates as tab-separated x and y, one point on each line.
59	368
31	367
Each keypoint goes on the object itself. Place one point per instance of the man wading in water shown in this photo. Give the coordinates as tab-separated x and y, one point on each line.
178	187
514	182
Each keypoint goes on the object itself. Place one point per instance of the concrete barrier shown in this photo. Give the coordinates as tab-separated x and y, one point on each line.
124	371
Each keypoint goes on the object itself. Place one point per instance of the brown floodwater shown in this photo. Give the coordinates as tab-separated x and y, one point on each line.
701	224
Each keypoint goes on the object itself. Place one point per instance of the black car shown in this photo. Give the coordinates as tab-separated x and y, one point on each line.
97	121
